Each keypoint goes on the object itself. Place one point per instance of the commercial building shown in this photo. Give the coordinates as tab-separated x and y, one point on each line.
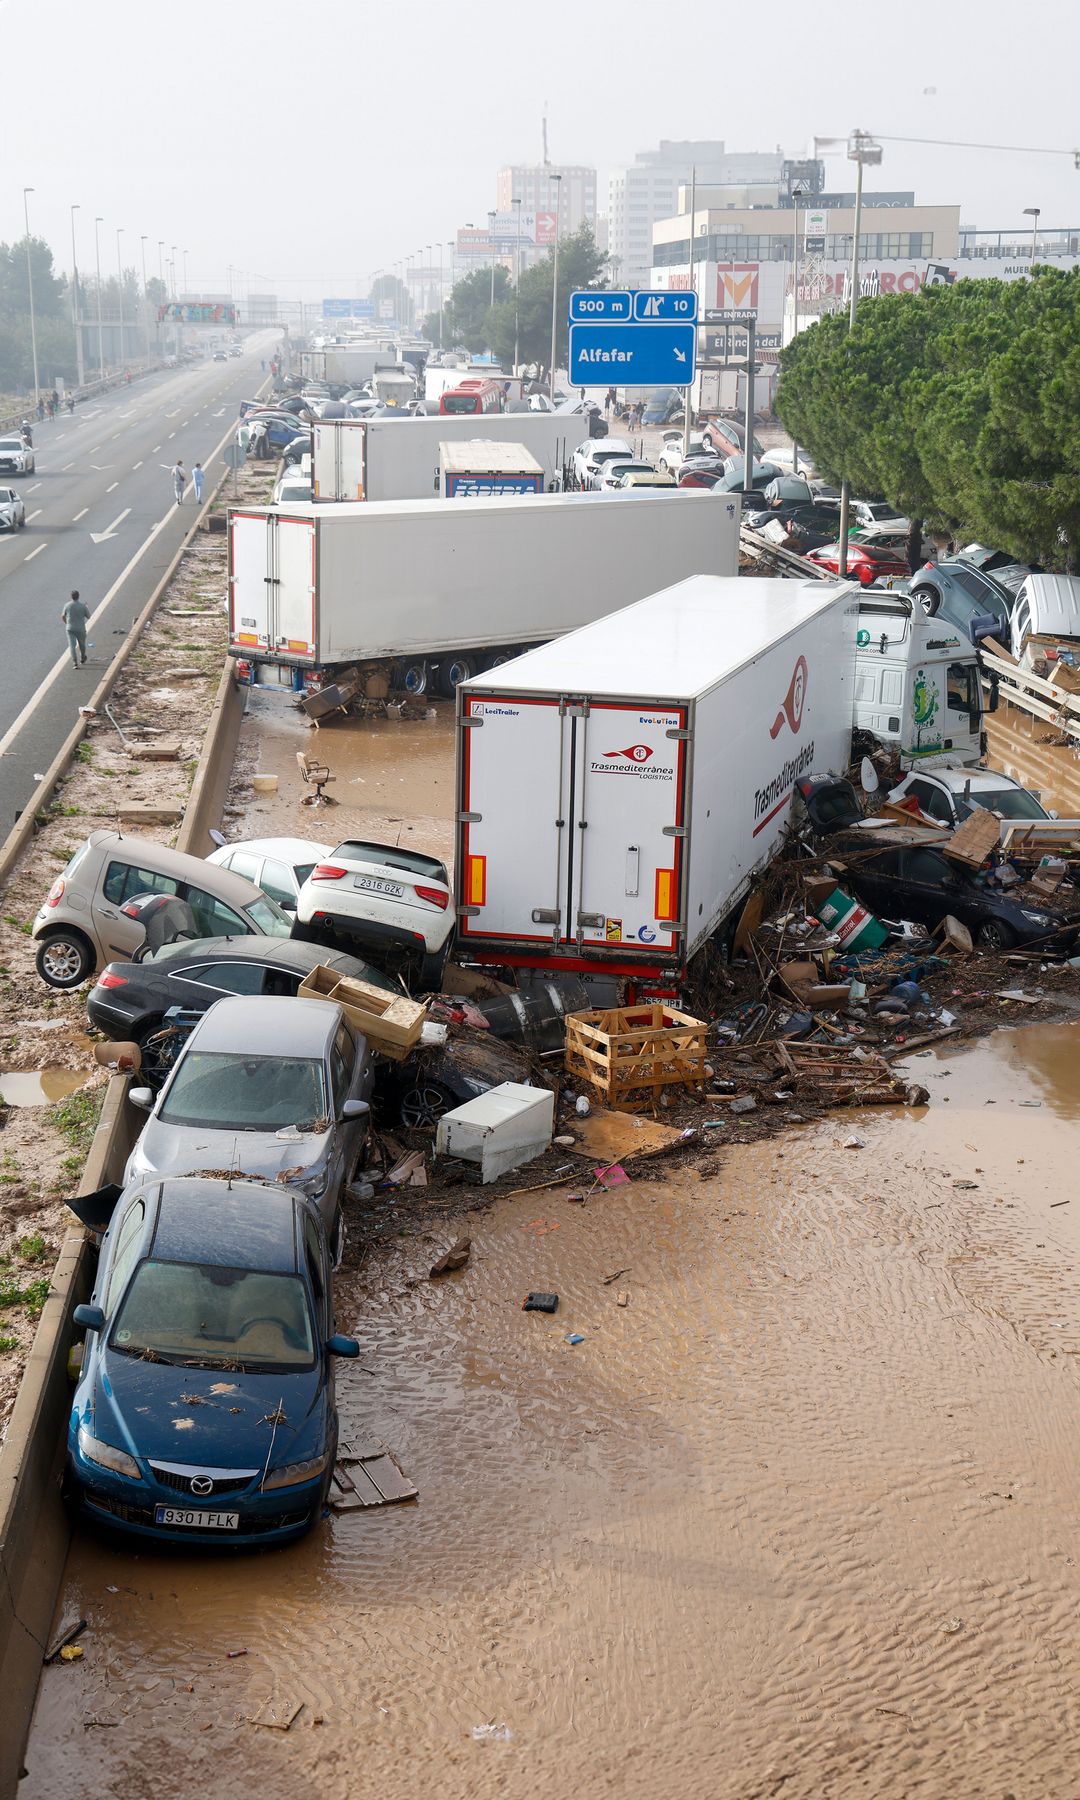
646	190
573	195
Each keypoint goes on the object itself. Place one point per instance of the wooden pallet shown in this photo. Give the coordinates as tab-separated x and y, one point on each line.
640	1050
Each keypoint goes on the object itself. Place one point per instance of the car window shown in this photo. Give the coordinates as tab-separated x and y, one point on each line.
926	866
123	880
283	983
241	862
277	882
886	864
933	802
127	1242
227	977
212	917
962	690
214	1316
217	1090
314	1257
340	1073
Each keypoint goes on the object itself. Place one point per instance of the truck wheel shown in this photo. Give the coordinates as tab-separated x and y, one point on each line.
928	598
503	656
452	673
413	678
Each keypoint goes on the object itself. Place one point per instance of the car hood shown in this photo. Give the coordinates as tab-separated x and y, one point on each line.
165	1149
210	1417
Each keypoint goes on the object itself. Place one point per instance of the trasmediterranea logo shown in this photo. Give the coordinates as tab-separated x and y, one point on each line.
636	759
793	703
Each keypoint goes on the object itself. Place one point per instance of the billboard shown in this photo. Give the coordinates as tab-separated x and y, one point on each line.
197	312
537	228
348	309
737	286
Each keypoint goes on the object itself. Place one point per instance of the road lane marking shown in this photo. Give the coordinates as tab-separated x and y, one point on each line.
66	467
172	434
137	465
112	484
184	422
34	515
32	490
93	450
81	515
155	450
98	537
34	553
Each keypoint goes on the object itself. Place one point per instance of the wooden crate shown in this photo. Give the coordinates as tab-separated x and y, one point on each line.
392	1023
635	1050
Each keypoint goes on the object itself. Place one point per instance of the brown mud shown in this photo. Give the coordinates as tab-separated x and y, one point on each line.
798	1518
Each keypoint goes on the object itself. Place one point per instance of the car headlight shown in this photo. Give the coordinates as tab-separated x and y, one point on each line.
118	1461
291	1474
1036	918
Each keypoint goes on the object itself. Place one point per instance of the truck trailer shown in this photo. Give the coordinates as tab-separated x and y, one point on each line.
657	751
352	363
418	591
476	468
398	459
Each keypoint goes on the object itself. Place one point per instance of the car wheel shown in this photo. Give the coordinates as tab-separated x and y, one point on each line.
995	935
430	974
64	959
928	598
424	1103
22	521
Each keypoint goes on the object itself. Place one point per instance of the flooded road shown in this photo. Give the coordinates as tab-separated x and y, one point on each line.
800	1517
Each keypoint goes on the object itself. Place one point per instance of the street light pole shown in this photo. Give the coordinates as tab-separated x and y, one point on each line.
554	290
100	328
516	204
1032	213
861	150
798	190
145	297
120	288
184	255
442	291
79	371
30	283
491	235
688	401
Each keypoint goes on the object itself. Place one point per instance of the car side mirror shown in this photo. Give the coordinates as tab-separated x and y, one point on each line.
354	1109
288	905
93	1319
338	1345
142	1097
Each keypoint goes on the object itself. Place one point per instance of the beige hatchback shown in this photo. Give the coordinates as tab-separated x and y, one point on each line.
83	924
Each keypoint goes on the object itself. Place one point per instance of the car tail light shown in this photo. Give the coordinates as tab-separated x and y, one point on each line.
326	872
56	892
108	979
437	896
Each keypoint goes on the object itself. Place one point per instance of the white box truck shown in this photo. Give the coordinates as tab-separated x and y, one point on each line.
620	789
398	459
407	589
352	363
477	468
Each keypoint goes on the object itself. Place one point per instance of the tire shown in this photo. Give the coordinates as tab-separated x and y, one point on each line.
430	973
424	1103
928	598
502	656
64	958
995	935
413	677
452	673
22	521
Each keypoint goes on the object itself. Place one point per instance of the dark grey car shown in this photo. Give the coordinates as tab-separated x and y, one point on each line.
273	1088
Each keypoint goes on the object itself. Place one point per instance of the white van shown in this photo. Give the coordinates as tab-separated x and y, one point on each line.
1046	613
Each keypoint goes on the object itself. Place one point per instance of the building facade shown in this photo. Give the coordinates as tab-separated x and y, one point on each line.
573	195
647	190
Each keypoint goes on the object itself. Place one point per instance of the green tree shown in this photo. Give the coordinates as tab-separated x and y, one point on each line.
465	318
581	265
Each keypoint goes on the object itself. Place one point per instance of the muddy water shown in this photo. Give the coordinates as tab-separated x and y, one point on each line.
38	1087
800	1518
393	779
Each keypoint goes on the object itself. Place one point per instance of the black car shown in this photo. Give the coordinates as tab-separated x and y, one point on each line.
130	999
921	884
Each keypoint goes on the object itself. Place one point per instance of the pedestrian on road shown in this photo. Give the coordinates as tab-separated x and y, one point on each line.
196	482
55	398
609	401
40	408
75	616
179	480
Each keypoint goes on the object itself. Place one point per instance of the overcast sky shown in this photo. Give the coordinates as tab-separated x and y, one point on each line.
310	145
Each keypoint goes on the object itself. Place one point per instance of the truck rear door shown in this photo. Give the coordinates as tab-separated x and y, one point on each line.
272	585
627	810
514	777
249	594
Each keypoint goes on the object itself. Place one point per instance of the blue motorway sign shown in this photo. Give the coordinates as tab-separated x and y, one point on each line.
348	309
659	308
609	355
588	303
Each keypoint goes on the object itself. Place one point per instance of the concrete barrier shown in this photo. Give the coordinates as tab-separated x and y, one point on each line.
34	1530
206	801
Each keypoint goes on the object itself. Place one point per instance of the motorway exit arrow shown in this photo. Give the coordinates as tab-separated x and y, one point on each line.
99	537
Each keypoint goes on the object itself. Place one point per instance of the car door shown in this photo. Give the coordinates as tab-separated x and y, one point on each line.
876	883
933	801
348	1073
120	881
929	888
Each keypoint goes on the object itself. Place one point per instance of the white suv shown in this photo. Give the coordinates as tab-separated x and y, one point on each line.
15	456
385	898
12	509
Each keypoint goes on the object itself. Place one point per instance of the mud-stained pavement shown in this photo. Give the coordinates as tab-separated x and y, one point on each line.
800	1518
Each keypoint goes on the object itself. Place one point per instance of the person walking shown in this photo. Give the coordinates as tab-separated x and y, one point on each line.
75	615
197	482
915	557
179	480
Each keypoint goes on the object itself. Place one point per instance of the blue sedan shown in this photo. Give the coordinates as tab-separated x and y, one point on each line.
205	1413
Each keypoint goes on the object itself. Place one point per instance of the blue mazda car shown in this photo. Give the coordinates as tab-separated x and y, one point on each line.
205	1412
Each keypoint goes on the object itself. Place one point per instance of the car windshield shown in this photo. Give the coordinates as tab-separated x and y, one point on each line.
206	1316
1011	803
10	443
268	918
220	1091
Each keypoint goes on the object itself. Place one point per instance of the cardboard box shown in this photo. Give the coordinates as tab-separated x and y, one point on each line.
392	1023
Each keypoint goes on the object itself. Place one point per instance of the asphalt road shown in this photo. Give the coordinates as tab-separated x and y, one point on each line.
101	517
